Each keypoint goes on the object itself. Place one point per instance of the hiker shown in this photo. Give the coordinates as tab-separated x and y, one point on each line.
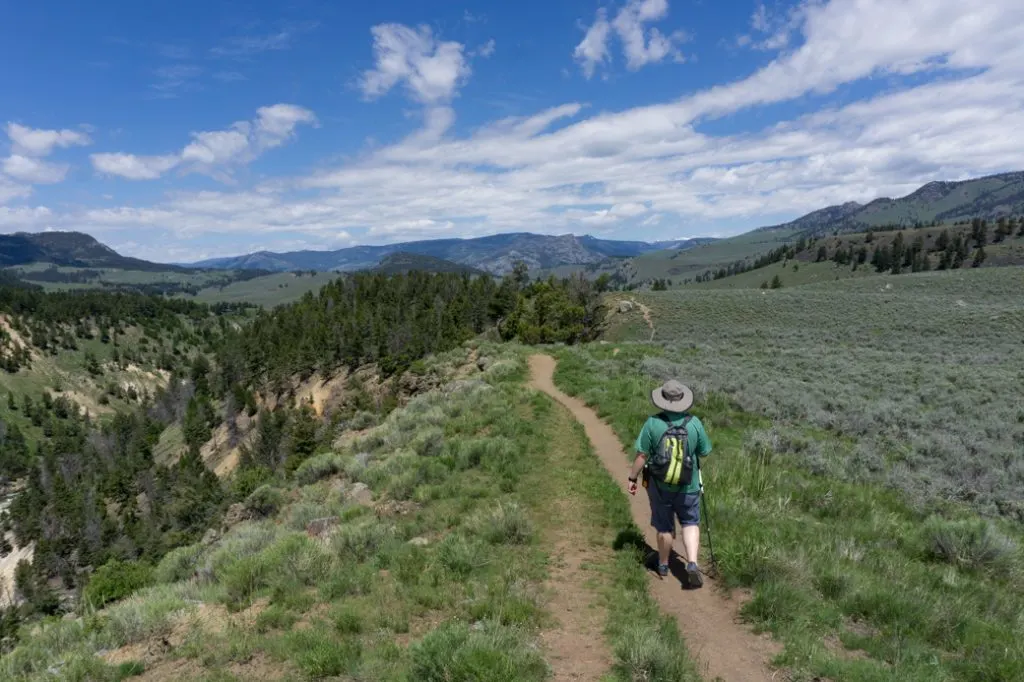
668	453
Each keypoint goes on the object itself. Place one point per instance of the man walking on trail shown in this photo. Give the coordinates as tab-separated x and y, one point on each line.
668	451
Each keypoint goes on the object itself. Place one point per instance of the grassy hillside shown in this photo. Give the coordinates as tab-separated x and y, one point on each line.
268	290
204	286
420	549
846	255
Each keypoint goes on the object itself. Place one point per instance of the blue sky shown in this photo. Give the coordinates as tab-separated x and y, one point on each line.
187	130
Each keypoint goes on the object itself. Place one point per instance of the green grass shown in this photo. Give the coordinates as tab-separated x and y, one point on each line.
267	291
908	595
465	603
910	372
679	265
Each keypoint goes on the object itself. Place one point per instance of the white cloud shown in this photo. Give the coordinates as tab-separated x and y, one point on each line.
133	167
35	142
486	50
640	45
654	170
214	152
12	190
593	49
431	70
642	48
35	171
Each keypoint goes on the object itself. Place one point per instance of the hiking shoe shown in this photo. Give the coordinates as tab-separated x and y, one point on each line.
663	570
693	575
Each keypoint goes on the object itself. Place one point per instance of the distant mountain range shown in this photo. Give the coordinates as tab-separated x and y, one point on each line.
68	248
401	262
495	254
988	197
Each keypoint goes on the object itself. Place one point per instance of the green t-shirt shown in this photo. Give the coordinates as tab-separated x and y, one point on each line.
697	441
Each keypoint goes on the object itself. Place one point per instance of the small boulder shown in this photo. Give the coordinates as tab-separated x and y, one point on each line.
483	362
419	542
625	306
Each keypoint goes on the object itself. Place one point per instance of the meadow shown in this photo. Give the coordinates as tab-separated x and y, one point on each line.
917	376
866	481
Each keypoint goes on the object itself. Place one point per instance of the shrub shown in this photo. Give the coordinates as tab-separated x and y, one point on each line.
347	620
116	580
265	501
455	653
360	541
507	523
142	615
971	544
461	555
319	467
319	654
178	564
275	617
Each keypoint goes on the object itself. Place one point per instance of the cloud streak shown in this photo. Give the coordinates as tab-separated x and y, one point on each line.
213	152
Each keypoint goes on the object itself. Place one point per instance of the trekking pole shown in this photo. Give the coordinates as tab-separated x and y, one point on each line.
707	518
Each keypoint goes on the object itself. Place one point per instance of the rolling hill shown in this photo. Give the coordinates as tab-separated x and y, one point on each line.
70	249
495	254
989	197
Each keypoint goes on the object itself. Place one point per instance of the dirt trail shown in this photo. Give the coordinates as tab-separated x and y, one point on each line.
647	318
576	648
710	623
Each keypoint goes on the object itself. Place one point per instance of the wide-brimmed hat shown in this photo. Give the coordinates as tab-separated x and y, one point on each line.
672	396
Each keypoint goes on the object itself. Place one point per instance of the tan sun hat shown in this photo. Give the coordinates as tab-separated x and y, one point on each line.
672	396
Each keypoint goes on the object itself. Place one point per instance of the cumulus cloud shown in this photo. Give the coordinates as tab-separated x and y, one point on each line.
640	45
36	142
431	70
657	170
214	152
35	171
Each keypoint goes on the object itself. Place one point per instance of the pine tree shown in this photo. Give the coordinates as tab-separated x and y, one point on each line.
776	282
979	258
960	251
822	254
12	405
942	243
896	254
979	232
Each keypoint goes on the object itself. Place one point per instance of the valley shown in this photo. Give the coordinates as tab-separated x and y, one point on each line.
415	470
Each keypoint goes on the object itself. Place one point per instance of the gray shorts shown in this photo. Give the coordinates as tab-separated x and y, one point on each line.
667	506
